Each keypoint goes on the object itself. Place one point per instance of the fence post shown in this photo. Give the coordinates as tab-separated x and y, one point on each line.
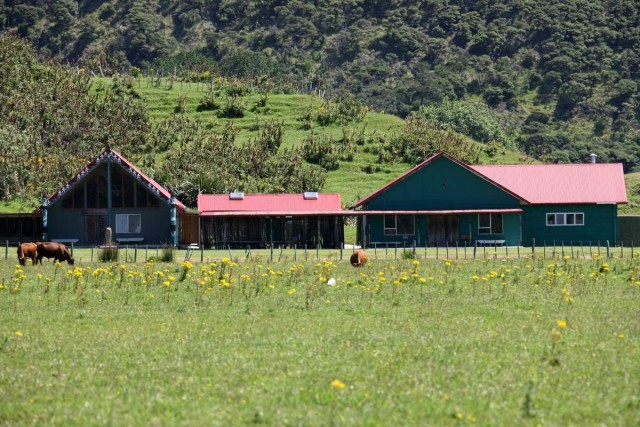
91	253
135	253
71	249
202	252
608	253
571	243
621	250
533	246
6	250
475	249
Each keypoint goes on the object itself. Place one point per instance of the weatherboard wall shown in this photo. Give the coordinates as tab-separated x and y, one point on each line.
467	231
442	184
87	225
600	224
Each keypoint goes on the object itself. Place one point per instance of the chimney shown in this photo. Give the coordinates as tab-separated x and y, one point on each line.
593	158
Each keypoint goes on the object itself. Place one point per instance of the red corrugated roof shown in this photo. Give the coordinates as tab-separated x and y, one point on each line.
268	204
542	184
561	184
133	170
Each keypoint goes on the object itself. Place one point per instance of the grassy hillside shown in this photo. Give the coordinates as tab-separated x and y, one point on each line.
350	180
632	181
562	76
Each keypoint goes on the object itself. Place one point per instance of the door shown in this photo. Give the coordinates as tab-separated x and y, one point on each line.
437	229
96	226
443	228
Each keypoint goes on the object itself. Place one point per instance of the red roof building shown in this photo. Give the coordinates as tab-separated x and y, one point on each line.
210	205
267	220
445	200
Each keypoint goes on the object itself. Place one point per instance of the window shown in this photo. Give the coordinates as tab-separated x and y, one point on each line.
574	218
399	224
128	223
490	223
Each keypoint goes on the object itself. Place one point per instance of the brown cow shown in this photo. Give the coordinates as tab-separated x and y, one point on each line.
27	250
358	258
57	251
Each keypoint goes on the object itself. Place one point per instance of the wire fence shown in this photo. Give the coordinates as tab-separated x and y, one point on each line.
387	251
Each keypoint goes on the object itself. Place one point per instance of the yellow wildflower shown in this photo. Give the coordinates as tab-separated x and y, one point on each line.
338	384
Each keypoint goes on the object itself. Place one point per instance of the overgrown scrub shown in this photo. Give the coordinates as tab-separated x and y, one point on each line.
108	253
421	139
420	342
54	123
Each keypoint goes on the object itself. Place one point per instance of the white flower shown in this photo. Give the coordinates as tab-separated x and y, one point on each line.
331	282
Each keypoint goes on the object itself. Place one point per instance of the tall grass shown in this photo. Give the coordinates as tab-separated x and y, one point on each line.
405	342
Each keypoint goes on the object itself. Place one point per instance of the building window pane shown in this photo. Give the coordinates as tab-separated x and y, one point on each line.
128	223
496	223
389	224
405	224
141	196
127	191
92	193
557	219
490	223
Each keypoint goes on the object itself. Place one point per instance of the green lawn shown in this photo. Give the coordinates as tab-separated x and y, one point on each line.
424	342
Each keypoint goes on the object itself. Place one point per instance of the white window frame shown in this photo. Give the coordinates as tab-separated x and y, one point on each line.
128	223
388	231
483	230
562	219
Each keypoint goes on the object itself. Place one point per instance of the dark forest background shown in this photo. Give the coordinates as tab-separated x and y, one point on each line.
560	77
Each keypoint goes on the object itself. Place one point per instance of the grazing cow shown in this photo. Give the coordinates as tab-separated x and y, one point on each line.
358	258
57	251
27	250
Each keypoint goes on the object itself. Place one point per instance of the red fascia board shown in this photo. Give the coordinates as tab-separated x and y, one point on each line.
222	214
437	212
271	213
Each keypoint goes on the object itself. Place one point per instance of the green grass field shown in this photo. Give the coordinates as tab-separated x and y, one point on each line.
500	341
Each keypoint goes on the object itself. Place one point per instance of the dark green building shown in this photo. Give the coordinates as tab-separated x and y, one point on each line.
443	201
111	192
